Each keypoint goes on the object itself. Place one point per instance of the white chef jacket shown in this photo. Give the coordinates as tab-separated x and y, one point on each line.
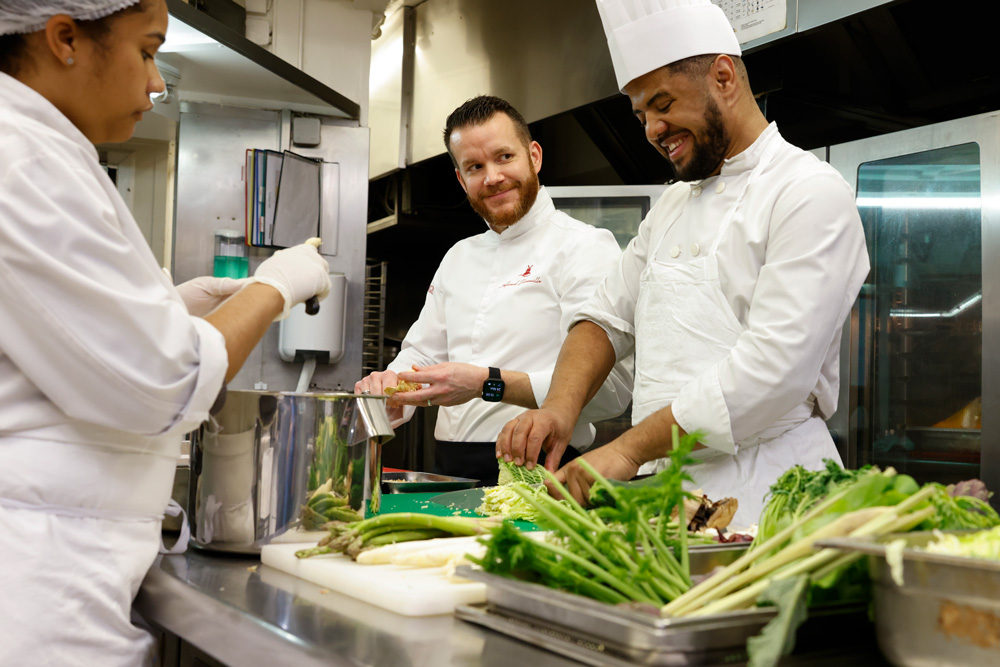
790	270
102	370
506	300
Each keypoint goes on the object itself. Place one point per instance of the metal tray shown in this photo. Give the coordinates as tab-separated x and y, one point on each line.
947	612
818	649
574	623
418	482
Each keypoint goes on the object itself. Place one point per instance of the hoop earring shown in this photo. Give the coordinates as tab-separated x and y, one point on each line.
70	61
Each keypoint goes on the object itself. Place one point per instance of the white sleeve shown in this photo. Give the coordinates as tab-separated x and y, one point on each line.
426	342
612	307
816	262
90	321
583	270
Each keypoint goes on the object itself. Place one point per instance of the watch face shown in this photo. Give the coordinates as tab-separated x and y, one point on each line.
493	390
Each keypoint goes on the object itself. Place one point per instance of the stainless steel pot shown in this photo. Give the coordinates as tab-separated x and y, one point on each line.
255	464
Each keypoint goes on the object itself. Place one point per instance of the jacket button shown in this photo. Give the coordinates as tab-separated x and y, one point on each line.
720	187
695	249
675	251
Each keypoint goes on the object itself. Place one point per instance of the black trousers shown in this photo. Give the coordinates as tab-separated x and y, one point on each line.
478	460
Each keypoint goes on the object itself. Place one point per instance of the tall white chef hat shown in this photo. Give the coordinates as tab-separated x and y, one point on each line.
644	35
24	16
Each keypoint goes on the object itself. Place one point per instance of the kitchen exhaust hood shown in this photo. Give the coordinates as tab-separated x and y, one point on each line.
217	64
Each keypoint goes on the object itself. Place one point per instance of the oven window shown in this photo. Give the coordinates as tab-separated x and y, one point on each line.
621	215
919	366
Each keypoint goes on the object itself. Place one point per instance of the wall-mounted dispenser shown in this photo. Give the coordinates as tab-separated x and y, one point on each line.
318	338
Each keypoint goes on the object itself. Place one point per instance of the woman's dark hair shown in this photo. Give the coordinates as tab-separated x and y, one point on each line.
13	54
477	111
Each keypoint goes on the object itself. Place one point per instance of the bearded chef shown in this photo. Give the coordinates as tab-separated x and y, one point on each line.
503	297
104	365
734	292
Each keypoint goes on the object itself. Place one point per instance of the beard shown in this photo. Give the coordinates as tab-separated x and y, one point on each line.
500	220
709	149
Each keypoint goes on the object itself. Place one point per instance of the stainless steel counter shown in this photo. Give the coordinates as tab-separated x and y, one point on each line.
243	614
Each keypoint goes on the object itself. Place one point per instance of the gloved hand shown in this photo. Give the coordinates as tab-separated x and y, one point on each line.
205	294
297	273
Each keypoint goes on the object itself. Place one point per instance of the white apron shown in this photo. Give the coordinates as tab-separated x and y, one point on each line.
69	572
684	325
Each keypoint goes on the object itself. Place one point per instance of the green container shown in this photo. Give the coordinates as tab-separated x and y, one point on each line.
230	267
230	254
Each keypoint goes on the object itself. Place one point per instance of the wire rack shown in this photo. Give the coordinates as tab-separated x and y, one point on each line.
373	330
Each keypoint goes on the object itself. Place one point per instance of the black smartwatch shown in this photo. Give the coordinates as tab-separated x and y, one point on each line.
493	387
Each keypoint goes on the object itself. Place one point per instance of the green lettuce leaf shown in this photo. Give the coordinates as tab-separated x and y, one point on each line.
777	639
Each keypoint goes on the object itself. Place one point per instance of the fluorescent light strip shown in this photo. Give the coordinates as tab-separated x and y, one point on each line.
960	308
925	203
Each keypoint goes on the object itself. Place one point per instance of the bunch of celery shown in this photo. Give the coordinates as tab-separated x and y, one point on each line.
797	491
786	570
612	553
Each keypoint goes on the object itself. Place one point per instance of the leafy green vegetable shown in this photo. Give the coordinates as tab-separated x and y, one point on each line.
613	553
797	491
510	473
777	639
962	512
503	501
984	544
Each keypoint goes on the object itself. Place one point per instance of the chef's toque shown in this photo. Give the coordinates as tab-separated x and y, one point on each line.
644	35
24	16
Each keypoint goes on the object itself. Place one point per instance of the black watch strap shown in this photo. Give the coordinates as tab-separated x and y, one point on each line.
493	387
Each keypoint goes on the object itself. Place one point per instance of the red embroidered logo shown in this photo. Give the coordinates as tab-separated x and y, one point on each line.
523	278
431	289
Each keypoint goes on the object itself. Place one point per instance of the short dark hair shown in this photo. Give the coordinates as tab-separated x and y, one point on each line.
698	66
13	55
477	111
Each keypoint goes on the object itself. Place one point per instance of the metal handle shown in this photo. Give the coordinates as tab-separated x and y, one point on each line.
312	303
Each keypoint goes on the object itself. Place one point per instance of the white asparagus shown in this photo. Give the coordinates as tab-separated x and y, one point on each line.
387	554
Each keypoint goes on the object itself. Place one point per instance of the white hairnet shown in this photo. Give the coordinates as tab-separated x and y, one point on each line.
24	16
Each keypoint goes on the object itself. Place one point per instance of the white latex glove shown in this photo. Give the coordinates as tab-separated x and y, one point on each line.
205	294
298	273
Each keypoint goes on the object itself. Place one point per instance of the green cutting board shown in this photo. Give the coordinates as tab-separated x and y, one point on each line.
463	499
441	504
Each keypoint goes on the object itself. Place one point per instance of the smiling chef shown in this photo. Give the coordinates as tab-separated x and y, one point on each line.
734	292
104	365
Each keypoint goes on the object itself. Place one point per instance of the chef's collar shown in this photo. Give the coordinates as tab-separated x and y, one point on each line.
750	157
25	100
540	210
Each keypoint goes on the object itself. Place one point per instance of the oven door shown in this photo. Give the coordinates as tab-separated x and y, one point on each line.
917	384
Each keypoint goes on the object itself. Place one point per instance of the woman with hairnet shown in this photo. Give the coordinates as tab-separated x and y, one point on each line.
104	365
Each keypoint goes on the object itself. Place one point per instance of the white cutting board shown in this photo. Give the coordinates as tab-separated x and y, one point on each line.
410	591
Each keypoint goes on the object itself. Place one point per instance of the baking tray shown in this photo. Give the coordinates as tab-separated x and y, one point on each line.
577	626
408	481
946	613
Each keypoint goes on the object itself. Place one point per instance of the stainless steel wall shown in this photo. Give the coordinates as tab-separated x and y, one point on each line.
211	153
545	58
